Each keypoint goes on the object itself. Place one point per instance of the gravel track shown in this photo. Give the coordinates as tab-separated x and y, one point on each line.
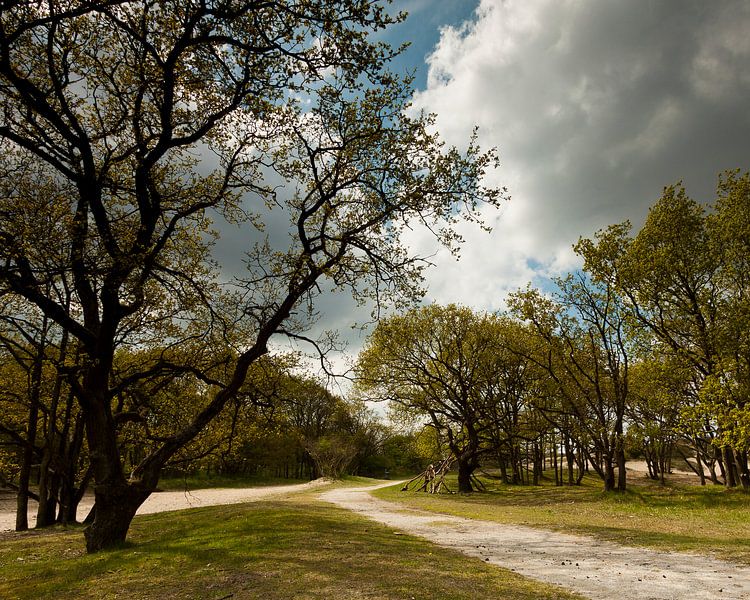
166	501
593	568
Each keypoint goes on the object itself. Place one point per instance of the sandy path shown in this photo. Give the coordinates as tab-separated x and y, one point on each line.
592	568
165	501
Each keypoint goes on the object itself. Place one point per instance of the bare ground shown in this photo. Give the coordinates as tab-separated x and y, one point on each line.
590	567
166	501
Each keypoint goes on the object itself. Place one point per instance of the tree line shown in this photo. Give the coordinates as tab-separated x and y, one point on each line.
644	349
282	424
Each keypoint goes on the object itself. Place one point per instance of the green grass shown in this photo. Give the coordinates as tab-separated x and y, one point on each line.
677	516
201	481
294	548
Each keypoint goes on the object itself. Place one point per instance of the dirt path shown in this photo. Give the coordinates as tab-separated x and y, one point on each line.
593	568
165	501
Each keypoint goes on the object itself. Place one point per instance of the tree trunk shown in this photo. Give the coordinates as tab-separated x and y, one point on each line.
558	474
730	481
652	473
570	459
609	475
503	467
619	449
621	472
115	508
54	495
698	468
712	470
44	492
115	499
22	500
70	497
516	464
71	493
465	470
701	472
740	458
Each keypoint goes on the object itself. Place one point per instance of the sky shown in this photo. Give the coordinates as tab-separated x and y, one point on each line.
594	106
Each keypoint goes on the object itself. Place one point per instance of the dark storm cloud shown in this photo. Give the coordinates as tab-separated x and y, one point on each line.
595	106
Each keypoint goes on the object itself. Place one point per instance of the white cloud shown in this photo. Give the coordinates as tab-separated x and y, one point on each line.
594	107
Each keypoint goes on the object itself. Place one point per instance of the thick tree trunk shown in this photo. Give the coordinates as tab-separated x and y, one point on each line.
115	500
115	508
467	464
464	477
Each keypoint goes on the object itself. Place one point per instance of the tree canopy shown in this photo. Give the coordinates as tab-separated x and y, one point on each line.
128	127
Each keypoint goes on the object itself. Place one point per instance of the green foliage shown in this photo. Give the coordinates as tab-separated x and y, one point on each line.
130	127
460	379
431	363
581	342
685	279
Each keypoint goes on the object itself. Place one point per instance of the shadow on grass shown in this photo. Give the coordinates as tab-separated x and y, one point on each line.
281	549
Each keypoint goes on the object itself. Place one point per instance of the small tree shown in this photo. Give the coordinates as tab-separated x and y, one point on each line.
332	454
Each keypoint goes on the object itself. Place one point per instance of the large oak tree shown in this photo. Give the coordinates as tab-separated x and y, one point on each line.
148	119
439	363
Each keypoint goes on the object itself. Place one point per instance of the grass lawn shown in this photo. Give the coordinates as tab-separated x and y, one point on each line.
677	516
294	548
202	481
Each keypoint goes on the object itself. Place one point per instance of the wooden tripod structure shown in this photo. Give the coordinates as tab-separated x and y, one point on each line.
432	479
